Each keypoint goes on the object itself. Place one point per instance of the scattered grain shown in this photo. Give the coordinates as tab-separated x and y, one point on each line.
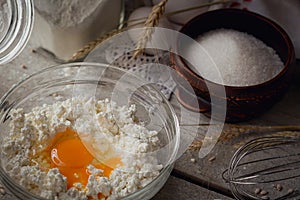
290	191
257	191
193	160
195	146
263	192
212	158
2	191
54	94
278	187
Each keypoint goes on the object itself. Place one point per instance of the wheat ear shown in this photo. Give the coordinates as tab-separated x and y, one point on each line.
91	45
152	21
81	53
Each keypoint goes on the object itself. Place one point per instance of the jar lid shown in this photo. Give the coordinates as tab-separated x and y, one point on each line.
16	22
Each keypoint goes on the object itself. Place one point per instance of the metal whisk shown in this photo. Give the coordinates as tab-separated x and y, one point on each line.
266	168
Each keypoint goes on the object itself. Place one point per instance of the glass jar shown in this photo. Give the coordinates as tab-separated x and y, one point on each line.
16	22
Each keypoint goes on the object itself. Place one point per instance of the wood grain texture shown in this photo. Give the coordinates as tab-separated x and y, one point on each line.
179	189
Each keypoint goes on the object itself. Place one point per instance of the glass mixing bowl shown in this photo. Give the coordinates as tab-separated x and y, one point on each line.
97	81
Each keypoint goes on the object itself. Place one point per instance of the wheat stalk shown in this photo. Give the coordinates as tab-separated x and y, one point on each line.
84	51
81	53
90	46
152	21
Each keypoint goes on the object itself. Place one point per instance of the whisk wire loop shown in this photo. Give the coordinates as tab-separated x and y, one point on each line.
264	161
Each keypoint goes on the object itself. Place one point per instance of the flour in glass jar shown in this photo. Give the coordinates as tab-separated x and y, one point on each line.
44	154
239	58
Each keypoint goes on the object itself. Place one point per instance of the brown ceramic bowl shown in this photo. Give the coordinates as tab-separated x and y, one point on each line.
246	102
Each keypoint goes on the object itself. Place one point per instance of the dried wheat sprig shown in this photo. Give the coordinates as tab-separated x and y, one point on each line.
152	21
81	53
84	51
168	14
91	45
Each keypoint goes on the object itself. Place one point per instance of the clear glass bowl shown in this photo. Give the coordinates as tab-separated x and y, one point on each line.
16	22
100	81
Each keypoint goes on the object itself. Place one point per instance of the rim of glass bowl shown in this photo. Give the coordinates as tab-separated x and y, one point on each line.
158	181
16	25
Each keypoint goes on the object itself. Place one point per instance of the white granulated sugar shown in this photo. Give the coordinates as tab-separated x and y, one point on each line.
240	58
31	132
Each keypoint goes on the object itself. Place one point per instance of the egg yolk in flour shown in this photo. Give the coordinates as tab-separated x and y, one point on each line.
70	156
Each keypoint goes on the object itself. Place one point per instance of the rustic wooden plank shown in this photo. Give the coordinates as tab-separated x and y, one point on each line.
176	188
205	172
28	62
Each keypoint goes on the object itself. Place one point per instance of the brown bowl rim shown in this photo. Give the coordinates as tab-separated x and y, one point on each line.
290	58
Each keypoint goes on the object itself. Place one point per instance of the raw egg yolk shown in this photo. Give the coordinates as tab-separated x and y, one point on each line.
70	156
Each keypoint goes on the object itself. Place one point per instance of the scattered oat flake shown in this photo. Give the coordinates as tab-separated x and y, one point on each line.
193	160
279	187
54	94
263	192
2	191
212	158
290	191
257	191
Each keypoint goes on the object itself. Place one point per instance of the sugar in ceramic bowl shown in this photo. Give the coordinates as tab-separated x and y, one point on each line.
99	81
243	102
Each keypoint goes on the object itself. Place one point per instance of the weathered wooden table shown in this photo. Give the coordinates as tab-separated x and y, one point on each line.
192	177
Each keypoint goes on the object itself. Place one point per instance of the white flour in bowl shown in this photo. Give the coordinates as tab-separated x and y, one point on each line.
240	58
24	149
